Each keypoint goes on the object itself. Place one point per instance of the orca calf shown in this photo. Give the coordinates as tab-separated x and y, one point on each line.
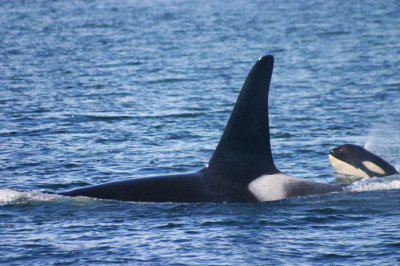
354	160
241	169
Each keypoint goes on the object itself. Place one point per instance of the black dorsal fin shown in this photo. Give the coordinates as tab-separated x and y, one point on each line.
244	150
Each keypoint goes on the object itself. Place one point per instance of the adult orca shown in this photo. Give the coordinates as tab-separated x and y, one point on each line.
240	170
354	160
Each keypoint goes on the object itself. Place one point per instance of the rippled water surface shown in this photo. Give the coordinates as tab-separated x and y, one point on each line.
97	91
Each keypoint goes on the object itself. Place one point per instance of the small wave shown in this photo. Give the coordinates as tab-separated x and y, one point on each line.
105	116
9	196
376	183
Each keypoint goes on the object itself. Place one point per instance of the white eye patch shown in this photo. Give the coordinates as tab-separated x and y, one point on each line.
373	167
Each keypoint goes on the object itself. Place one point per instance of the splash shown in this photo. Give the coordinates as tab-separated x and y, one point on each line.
376	183
384	140
9	196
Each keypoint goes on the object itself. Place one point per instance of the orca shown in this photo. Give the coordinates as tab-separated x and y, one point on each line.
354	160
241	168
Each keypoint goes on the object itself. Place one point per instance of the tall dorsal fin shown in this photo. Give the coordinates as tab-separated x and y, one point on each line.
244	150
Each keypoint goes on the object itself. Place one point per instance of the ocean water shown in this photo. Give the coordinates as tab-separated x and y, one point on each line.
98	91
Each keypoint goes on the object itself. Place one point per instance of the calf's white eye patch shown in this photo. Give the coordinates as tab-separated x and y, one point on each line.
373	167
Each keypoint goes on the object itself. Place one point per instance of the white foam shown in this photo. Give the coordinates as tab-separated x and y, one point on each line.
376	183
9	196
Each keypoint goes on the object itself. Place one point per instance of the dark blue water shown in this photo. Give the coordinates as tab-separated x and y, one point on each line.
97	91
